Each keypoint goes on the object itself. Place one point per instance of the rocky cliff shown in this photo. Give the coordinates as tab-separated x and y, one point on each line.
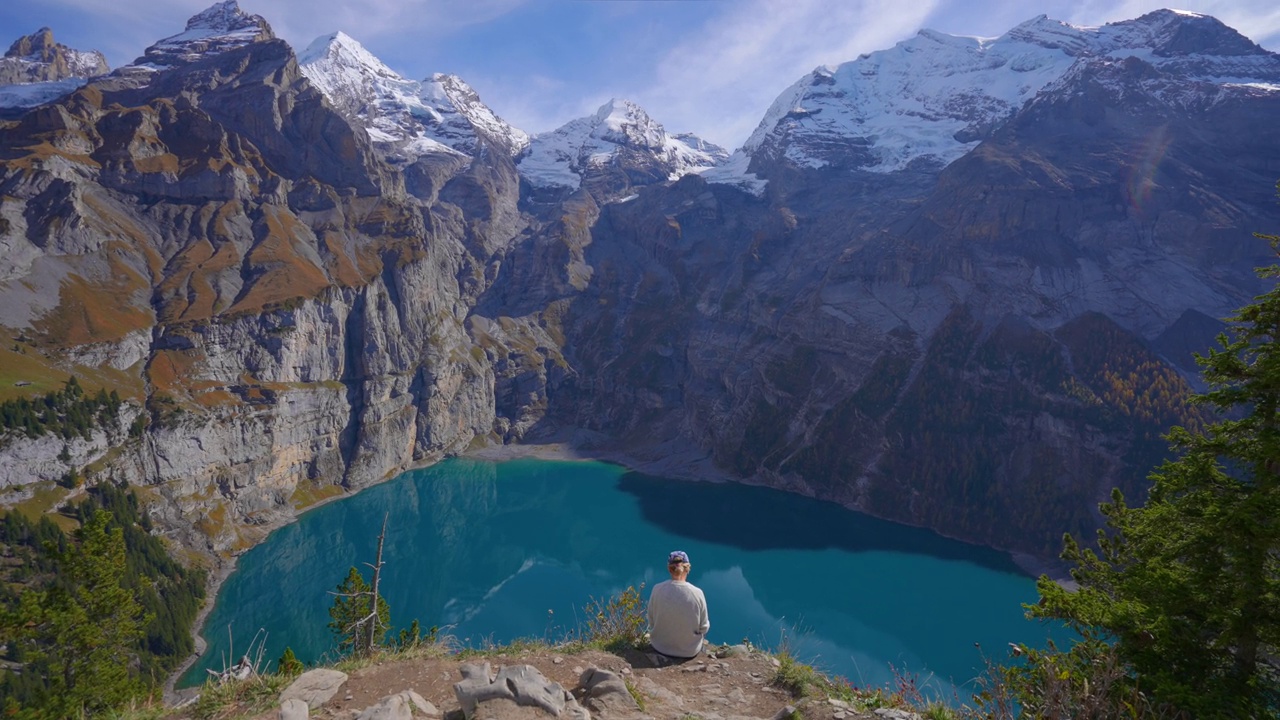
301	291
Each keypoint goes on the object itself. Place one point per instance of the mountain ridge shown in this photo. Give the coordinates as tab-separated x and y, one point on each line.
300	298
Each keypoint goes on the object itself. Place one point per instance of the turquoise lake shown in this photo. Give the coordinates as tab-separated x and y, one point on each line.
491	552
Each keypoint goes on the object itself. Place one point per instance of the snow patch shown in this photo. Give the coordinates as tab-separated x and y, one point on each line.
26	95
734	172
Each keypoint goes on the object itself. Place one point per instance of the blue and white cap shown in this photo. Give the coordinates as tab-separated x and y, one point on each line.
677	556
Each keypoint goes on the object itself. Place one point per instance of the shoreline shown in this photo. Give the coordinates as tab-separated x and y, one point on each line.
684	463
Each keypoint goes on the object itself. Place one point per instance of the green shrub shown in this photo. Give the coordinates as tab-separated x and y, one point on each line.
617	623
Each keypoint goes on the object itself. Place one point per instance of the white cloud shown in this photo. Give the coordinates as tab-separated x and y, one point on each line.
720	83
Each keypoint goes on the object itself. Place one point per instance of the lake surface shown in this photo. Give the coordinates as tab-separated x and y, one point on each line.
491	552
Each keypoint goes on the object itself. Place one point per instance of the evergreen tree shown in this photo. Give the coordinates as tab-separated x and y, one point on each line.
1187	587
351	616
289	664
86	629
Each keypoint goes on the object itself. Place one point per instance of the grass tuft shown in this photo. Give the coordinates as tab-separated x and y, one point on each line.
242	699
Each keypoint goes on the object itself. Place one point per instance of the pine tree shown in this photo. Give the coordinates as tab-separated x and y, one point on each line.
1187	587
289	664
351	616
87	628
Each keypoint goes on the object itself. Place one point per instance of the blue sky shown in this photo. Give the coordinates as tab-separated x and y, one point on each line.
707	66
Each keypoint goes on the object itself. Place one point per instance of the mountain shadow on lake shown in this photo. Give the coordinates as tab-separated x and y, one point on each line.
759	518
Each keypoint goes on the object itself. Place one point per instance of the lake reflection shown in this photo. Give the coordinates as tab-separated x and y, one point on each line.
498	551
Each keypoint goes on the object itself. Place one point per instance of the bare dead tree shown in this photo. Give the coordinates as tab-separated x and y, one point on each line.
363	631
374	622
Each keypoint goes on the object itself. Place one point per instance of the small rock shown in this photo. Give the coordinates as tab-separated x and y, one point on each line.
577	670
421	704
737	696
557	660
652	689
785	713
735	651
625	671
838	703
896	714
775	662
607	692
392	707
349	697
294	709
314	687
839	715
599	682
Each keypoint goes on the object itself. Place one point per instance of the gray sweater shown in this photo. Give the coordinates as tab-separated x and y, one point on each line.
678	620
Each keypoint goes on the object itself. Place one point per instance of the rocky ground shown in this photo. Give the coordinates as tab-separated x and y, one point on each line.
736	683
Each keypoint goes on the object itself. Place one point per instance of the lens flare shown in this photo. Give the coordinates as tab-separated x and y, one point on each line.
1142	175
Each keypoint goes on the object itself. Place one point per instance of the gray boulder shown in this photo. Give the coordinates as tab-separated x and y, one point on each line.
294	709
393	707
607	692
314	687
480	693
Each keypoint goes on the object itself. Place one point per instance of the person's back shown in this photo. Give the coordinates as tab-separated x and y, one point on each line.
678	620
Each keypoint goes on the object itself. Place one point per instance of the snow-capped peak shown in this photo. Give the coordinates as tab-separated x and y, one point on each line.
465	123
619	132
351	77
934	96
405	118
622	122
36	70
341	49
219	28
44	59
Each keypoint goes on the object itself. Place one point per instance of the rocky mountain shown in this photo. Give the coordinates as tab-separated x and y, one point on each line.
36	69
933	97
408	119
218	29
954	283
617	147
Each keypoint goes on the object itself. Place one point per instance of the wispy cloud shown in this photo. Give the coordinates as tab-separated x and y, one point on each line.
719	83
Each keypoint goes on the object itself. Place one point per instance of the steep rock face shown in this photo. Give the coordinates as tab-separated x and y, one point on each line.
301	316
970	350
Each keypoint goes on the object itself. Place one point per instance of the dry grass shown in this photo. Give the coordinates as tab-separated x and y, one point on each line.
47	495
308	493
285	271
96	311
